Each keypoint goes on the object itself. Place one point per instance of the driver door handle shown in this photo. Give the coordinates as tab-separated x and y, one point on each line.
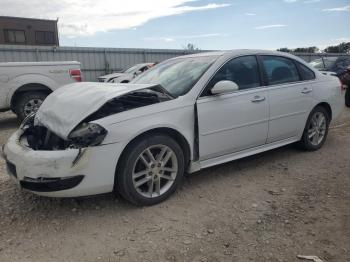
258	99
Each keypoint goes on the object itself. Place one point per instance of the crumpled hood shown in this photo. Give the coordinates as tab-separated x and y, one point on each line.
65	108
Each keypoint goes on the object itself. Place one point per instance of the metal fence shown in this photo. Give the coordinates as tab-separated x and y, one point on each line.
310	57
99	61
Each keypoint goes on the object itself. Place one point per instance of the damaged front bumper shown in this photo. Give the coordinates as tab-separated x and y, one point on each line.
61	173
44	184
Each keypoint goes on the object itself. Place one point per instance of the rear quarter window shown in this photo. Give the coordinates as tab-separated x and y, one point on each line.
305	72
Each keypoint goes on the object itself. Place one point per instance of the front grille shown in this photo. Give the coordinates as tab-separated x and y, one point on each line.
11	169
44	184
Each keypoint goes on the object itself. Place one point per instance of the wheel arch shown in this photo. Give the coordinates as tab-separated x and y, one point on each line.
327	107
175	134
27	88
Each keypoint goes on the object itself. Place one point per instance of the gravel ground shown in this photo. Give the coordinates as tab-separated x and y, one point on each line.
269	207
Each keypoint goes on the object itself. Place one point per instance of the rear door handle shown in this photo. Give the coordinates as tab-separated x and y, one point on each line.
258	99
306	90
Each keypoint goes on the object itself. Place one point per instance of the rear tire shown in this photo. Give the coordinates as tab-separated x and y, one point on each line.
29	102
316	129
145	180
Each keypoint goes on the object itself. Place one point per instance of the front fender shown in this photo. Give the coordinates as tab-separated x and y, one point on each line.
180	120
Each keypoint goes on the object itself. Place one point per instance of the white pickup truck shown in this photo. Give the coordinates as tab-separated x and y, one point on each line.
25	85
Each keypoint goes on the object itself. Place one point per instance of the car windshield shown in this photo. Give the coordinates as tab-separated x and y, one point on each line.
177	76
324	64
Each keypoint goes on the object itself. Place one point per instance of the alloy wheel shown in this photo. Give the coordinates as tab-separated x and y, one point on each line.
317	128
155	171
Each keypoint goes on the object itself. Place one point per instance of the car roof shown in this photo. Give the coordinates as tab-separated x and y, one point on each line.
241	52
238	52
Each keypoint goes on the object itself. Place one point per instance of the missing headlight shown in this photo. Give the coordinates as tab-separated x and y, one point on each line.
87	134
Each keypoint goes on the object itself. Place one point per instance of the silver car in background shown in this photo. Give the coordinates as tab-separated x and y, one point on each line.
185	114
127	75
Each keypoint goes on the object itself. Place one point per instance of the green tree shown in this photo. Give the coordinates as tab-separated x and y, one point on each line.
311	49
285	49
341	48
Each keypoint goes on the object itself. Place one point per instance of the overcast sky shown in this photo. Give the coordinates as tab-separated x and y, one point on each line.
214	24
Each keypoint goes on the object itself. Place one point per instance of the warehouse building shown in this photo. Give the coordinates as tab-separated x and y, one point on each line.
28	31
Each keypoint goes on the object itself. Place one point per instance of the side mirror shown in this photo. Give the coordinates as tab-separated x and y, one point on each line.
223	87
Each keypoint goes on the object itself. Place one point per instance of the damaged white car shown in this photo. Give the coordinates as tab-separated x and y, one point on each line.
186	114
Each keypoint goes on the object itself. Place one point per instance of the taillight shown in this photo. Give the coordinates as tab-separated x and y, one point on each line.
75	74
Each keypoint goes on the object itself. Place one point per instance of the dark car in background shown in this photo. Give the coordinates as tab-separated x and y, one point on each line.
336	64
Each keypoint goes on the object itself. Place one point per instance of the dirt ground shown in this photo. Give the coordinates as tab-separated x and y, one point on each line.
269	207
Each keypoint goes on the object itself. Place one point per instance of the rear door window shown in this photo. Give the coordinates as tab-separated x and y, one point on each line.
280	70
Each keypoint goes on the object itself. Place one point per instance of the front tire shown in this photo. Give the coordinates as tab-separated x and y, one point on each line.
150	170
316	129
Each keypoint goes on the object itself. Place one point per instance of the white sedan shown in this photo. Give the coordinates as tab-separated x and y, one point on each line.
183	115
127	75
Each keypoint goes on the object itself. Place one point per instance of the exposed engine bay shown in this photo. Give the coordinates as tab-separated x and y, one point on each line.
85	133
129	101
